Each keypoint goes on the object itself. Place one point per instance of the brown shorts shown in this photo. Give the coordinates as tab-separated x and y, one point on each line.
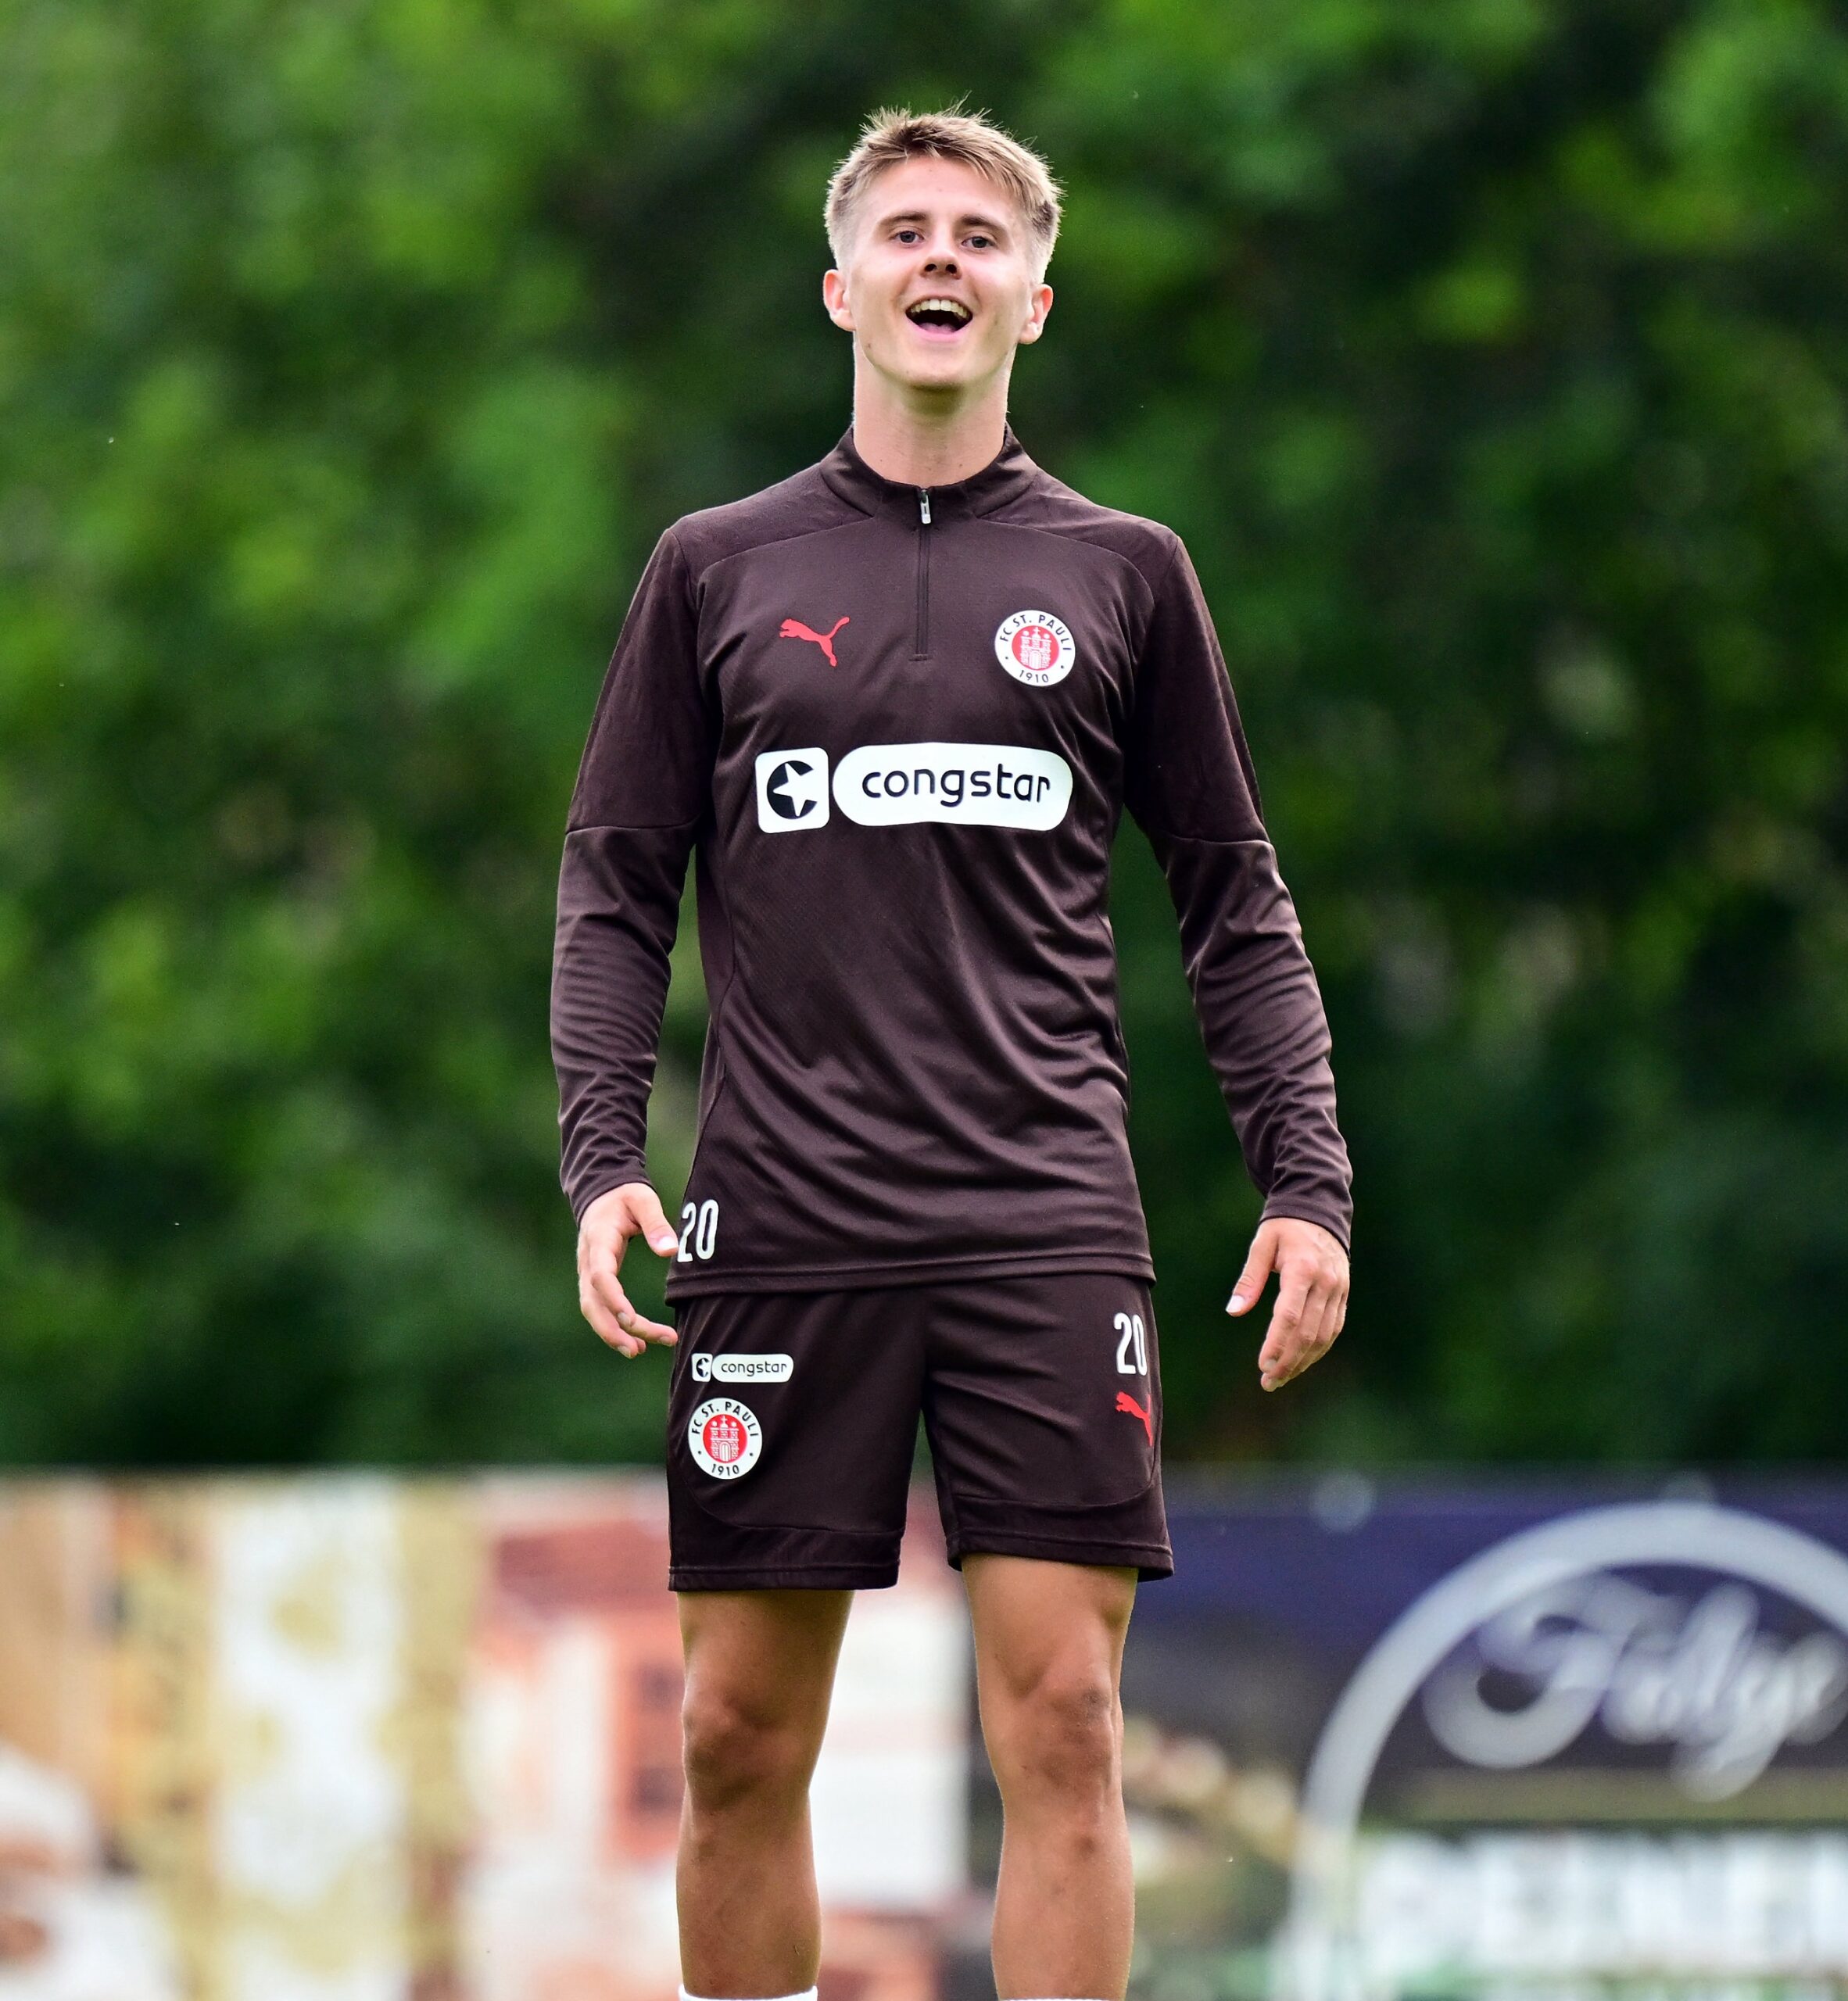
793	1423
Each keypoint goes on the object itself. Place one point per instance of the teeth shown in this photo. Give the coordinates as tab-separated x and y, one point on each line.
942	306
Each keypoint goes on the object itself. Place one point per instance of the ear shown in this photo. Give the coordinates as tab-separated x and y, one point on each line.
1038	305
834	298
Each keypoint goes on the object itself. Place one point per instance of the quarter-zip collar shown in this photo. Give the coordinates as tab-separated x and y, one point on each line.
1005	477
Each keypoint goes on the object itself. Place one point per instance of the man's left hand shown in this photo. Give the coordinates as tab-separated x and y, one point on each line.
1312	1294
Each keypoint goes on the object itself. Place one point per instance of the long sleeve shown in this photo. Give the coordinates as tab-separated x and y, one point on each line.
644	791
1189	784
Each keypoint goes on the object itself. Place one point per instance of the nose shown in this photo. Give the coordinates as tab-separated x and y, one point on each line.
945	264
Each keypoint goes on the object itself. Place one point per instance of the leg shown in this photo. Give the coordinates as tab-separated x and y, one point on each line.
1049	1650
791	1424
760	1669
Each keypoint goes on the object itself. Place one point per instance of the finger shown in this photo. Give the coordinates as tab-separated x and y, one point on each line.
1258	1264
651	1222
617	1303
604	1323
1318	1340
1314	1332
1283	1337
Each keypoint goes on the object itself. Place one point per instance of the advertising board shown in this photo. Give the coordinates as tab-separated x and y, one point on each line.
1531	1743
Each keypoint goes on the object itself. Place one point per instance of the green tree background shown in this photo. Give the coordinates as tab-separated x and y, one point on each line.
1488	353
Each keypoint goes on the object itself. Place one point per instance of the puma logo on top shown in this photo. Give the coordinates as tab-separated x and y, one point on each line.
793	628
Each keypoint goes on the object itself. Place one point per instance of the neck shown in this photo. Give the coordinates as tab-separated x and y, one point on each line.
931	439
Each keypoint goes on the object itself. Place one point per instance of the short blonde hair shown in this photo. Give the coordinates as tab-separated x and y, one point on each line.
892	136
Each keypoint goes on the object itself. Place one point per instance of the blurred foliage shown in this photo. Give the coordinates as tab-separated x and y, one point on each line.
1489	354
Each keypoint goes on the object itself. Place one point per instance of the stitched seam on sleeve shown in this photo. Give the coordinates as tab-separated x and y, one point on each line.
633	826
1150	831
1216	840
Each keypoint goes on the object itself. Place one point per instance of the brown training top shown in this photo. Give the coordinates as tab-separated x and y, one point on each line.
898	726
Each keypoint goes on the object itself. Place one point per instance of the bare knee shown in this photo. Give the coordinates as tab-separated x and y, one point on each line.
738	1751
1057	1737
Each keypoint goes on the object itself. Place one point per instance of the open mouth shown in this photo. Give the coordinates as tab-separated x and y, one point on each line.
939	317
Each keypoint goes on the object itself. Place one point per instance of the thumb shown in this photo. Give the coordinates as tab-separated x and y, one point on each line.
644	1206
1258	1264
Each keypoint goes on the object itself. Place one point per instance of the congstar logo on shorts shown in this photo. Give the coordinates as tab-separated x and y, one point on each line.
896	785
741	1368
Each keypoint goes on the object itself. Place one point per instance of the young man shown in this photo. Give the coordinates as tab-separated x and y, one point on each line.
895	705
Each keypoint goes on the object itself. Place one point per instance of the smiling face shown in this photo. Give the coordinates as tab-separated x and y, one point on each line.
939	287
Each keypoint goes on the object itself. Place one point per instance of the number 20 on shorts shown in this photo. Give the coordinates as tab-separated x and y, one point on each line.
1132	1350
699	1231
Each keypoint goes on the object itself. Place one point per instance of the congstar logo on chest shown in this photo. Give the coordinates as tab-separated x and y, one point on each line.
792	790
894	784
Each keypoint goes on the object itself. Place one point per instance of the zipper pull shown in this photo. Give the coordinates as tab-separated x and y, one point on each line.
924	505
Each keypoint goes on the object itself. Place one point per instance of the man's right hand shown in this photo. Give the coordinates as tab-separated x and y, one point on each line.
616	1215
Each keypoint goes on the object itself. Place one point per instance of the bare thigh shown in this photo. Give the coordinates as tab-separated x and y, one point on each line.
760	1674
1049	1641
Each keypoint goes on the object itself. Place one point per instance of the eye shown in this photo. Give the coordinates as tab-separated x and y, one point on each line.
982	242
905	235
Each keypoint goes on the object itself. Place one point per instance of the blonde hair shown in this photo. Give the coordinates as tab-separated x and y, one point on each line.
890	137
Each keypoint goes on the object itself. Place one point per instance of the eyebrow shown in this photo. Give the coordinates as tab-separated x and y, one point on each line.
962	222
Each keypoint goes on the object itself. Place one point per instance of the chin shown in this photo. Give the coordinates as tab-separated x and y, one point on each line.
902	362
914	377
940	378
946	371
